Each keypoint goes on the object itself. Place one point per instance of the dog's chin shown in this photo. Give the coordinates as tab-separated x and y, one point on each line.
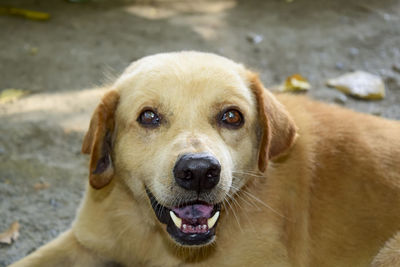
190	224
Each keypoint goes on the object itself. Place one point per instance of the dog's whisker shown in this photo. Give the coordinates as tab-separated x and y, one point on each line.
244	171
236	201
245	211
237	204
251	196
235	215
264	204
254	172
247	201
249	174
225	208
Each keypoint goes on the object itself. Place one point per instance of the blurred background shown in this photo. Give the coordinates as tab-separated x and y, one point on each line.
54	54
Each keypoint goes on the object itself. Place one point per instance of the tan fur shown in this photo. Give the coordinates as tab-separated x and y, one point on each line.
329	195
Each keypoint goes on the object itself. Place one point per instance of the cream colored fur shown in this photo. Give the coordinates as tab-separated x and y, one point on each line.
329	195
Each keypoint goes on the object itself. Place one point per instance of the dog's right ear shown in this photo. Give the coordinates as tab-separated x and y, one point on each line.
98	141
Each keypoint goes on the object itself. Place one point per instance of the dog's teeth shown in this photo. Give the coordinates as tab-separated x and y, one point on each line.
204	227
184	226
177	221
211	222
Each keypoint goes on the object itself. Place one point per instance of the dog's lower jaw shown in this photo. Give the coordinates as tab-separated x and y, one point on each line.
190	231
190	240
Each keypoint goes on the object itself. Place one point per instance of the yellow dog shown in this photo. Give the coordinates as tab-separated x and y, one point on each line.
194	162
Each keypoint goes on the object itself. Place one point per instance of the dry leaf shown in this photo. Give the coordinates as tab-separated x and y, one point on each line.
11	234
9	95
360	84
294	83
26	13
41	185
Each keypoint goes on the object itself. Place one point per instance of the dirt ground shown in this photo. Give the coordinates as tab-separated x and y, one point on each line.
83	45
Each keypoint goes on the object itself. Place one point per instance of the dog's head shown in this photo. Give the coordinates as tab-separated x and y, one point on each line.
187	130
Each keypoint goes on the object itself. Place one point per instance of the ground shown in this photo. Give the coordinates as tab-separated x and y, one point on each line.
85	45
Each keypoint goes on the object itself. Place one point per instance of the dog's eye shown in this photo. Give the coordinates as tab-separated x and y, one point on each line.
149	118
232	118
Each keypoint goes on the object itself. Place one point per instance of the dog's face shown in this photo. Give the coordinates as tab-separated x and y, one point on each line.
185	130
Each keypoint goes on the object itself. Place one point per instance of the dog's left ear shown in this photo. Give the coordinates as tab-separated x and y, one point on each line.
98	141
278	128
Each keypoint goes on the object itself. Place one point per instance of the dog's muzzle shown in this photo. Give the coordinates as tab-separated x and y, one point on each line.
194	222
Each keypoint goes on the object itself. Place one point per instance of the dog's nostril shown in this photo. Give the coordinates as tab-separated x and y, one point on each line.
213	173
187	175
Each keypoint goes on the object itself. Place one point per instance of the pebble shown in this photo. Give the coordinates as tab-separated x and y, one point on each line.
340	99
339	65
31	250
254	38
392	82
2	151
360	84
396	67
54	203
387	17
384	72
53	233
353	51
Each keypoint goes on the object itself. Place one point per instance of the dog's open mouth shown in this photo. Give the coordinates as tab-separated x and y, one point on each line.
188	224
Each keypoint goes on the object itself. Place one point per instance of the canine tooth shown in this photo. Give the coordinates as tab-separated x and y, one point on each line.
177	221
184	226
211	222
204	227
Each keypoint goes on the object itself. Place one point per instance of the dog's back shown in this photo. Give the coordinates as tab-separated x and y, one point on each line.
354	192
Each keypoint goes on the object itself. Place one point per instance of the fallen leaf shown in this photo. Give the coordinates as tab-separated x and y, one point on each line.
26	13
360	84
41	186
295	83
11	94
11	234
34	50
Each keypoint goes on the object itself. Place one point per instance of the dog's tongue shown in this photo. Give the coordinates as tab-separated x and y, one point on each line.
194	211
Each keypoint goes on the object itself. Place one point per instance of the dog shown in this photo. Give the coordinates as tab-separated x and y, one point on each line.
194	162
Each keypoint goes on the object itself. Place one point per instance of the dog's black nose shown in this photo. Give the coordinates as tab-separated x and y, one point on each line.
198	172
